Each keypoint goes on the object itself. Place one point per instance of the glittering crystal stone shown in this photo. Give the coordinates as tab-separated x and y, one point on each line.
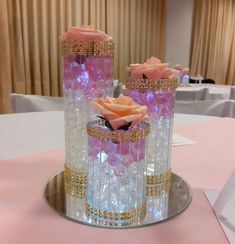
114	159
120	170
109	147
102	157
123	148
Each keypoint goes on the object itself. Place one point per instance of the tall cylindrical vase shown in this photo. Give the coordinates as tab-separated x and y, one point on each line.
116	174
159	97
88	68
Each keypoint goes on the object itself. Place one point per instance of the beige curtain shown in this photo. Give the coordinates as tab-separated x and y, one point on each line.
213	46
30	59
138	28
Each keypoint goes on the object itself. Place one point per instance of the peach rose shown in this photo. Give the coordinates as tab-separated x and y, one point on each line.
153	60
153	69
120	111
178	67
85	32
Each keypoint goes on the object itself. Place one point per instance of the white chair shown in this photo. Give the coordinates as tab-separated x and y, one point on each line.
191	94
219	108
21	103
232	93
118	89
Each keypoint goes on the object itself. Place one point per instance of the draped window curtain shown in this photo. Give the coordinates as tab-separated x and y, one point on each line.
30	59
213	46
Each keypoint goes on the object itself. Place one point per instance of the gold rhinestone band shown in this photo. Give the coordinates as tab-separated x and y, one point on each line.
156	190
130	223
75	182
158	184
110	217
119	136
159	179
154	85
87	47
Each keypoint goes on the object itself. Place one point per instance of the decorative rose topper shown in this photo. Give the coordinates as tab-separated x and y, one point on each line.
120	113
152	69
85	32
182	70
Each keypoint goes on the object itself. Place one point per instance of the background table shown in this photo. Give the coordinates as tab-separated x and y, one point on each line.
201	92
26	218
27	133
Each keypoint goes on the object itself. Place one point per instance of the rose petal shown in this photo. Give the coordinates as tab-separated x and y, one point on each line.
123	100
116	108
166	73
84	28
69	36
121	106
117	123
85	32
99	36
146	117
140	110
109	115
152	74
153	60
138	68
108	100
162	66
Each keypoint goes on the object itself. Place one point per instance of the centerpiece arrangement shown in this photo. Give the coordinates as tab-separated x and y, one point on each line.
116	162
153	84
117	150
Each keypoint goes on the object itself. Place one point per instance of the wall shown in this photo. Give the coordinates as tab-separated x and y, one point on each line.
178	31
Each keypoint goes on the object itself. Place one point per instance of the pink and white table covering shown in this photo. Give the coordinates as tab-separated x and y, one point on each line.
26	218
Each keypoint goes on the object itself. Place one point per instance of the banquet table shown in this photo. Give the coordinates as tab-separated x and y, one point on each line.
32	149
201	92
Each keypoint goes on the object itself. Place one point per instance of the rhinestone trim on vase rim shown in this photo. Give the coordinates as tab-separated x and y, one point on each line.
88	47
109	218
158	184
144	85
119	135
75	182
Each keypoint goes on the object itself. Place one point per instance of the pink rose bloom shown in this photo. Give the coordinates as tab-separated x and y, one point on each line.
120	111
85	32
153	60
153	69
178	67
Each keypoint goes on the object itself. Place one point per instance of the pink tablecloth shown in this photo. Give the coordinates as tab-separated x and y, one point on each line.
26	218
208	163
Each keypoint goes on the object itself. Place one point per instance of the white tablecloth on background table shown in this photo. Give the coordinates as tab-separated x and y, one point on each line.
203	92
26	133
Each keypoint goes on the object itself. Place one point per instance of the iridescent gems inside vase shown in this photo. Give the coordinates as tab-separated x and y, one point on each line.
159	97
85	78
116	174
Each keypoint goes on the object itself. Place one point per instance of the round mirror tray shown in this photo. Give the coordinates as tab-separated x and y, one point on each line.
159	208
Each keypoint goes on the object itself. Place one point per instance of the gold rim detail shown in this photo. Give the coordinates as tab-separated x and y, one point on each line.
144	85
75	182
119	136
116	218
87	47
158	184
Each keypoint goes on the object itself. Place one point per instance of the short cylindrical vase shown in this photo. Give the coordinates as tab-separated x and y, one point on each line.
159	97
116	174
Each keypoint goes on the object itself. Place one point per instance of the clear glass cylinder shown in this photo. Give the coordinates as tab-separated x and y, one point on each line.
157	206
116	174
87	74
159	97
